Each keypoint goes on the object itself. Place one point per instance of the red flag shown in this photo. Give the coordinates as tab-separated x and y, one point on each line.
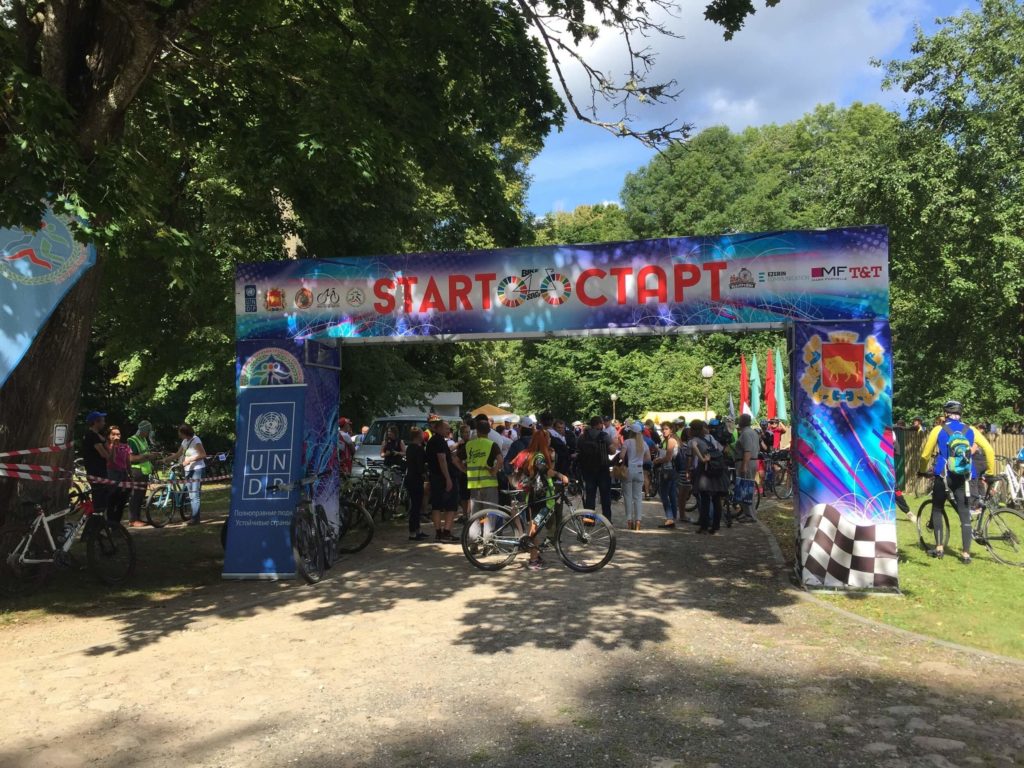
769	386
744	386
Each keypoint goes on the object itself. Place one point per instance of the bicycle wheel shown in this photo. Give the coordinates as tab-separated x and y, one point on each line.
18	578
307	548
159	509
111	553
490	539
782	482
584	546
357	528
923	486
925	532
1004	536
181	502
328	540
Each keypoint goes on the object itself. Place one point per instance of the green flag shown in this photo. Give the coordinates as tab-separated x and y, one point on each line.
780	389
755	389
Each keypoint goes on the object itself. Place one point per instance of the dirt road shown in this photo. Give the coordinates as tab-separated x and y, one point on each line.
685	651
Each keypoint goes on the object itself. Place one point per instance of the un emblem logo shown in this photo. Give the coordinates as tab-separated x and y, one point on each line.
270	426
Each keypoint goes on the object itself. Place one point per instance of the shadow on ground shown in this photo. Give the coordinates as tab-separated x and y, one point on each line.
703	710
653	573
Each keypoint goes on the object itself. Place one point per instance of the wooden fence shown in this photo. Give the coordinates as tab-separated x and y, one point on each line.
912	442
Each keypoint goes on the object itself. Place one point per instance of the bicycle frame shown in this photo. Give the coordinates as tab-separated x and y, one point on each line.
44	520
1014	484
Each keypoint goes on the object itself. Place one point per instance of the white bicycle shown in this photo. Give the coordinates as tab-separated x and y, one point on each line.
1010	492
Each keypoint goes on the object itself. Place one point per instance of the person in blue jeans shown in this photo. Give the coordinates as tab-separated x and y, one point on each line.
193	460
665	467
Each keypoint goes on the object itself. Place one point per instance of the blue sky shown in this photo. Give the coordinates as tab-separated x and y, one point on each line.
786	60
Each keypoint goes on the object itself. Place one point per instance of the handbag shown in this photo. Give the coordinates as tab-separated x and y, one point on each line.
620	471
743	491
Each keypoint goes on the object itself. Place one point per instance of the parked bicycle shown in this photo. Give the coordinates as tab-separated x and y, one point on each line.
1010	492
310	530
29	552
493	536
778	474
80	490
1000	529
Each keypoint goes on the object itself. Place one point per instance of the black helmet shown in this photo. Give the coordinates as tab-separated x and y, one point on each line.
952	406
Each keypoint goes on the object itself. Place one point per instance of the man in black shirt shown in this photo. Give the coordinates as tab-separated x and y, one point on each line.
444	494
94	456
415	469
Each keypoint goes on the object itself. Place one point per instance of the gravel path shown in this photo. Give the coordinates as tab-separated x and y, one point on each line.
684	651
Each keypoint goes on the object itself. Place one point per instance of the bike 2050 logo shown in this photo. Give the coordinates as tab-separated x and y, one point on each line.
843	369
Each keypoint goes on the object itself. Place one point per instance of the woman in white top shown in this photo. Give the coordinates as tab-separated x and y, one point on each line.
194	461
634	454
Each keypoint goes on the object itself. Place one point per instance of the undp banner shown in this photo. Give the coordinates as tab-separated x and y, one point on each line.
37	269
763	280
268	450
843	453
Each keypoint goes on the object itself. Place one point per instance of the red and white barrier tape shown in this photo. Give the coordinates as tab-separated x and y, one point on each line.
29	472
34	451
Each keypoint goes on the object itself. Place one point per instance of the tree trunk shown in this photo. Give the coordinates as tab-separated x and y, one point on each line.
43	390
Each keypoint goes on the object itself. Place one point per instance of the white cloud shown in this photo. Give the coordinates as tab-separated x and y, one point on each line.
781	64
784	62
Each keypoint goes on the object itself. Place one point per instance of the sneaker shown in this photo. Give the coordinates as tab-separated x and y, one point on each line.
535	565
193	521
421	536
136	524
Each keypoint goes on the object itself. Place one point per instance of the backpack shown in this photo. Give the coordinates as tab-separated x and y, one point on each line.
679	460
715	465
958	451
589	453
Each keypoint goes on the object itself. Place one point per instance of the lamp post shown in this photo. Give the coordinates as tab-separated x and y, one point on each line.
614	398
707	372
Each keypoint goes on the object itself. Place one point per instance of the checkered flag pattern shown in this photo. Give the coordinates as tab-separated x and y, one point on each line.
836	552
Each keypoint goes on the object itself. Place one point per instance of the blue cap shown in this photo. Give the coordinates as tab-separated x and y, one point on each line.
714	423
93	415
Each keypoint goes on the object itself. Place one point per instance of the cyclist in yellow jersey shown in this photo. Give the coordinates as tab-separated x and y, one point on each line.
952	481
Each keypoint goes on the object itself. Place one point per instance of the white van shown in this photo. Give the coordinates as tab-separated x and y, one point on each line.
368	451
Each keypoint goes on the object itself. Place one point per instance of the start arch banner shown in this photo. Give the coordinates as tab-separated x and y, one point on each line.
762	280
828	288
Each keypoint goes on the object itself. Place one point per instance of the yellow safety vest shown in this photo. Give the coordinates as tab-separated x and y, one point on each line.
478	475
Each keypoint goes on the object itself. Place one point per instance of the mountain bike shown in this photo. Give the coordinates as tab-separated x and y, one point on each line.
732	510
355	523
80	490
29	553
1001	529
494	535
167	499
778	474
1011	490
312	542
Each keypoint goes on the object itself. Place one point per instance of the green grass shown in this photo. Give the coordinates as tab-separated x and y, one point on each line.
170	561
979	605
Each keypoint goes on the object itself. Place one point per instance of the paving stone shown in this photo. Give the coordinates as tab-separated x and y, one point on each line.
877	747
938	743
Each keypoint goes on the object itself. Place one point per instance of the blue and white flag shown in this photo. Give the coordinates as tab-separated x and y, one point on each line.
37	269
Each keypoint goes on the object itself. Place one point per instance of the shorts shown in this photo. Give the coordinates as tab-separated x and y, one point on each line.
442	500
489	495
463	483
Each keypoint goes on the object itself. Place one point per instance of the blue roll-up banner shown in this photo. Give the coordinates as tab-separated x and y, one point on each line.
269	449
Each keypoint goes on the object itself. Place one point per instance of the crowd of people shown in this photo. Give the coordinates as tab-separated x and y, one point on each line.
450	465
108	455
